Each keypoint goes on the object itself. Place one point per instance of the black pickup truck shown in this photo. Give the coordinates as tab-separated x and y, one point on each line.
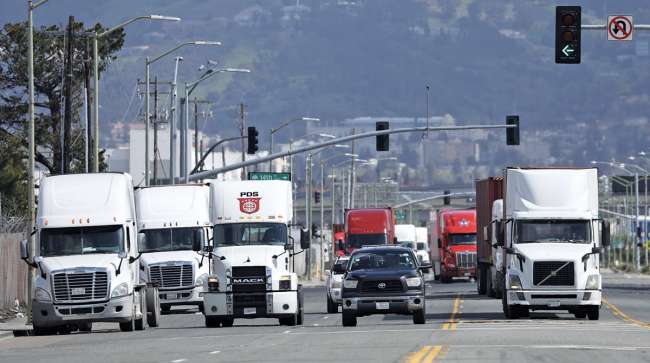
383	280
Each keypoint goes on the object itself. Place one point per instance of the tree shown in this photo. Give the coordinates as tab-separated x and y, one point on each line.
48	89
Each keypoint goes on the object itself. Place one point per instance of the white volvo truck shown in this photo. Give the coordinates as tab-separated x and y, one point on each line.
86	257
171	219
251	235
551	236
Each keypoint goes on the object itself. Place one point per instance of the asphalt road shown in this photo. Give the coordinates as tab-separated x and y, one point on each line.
461	326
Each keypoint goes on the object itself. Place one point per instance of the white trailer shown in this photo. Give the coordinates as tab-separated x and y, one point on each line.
422	249
551	236
86	252
405	235
171	219
251	234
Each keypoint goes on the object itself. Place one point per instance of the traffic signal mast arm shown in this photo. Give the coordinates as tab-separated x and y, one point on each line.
434	197
212	173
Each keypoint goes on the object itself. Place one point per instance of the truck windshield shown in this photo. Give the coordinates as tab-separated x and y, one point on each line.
171	239
382	260
360	240
81	240
244	234
553	230
462	239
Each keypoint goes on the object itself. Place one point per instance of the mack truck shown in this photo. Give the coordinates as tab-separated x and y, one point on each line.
455	244
546	229
251	221
86	254
171	219
367	226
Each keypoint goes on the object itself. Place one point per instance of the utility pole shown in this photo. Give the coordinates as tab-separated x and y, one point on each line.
67	116
351	197
196	130
242	127
155	130
322	217
88	108
172	123
308	210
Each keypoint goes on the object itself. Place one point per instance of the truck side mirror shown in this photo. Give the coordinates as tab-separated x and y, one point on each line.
605	239
501	233
24	250
142	242
305	239
439	243
288	246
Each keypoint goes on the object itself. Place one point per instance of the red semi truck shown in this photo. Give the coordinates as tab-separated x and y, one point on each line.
367	226
455	236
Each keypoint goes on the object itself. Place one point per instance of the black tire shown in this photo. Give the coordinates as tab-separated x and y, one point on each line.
85	327
349	318
445	279
64	330
510	312
227	322
290	320
593	312
301	307
523	312
332	307
140	323
38	331
212	321
420	316
201	308
580	313
481	279
153	307
128	326
498	289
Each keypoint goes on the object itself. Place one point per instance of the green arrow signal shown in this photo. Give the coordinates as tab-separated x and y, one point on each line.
567	50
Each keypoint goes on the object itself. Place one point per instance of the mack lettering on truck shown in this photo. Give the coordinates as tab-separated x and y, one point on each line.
248	280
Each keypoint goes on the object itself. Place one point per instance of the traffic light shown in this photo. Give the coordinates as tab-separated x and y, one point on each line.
252	140
512	133
317	197
567	34
382	140
446	200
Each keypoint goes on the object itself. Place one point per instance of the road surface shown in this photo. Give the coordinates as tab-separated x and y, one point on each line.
461	326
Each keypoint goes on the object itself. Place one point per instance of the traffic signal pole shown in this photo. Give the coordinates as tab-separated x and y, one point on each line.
213	173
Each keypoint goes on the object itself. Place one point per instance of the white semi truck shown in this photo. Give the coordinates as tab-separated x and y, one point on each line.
550	236
422	249
251	235
86	256
171	219
405	235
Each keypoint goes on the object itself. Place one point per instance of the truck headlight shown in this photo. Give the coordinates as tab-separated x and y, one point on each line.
200	281
285	282
515	282
121	290
41	295
336	283
350	284
213	283
592	282
413	281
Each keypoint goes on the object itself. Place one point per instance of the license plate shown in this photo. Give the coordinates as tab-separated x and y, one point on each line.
382	305
250	311
78	291
553	304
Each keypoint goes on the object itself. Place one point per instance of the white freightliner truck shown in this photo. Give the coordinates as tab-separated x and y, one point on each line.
86	256
251	234
171	219
550	235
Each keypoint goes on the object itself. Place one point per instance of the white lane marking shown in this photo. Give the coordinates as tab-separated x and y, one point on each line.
560	346
215	352
315	324
325	317
179	360
284	332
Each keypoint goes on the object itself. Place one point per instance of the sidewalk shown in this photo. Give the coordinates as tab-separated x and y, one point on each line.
17	324
614	279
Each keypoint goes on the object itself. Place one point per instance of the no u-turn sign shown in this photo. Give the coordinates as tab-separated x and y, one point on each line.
619	27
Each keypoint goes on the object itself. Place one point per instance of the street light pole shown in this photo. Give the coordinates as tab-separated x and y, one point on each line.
172	124
283	125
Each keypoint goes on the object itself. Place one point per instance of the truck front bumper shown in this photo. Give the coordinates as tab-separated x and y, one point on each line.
459	272
181	296
368	305
47	315
554	299
269	304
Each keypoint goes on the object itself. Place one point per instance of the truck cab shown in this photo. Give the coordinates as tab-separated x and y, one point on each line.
456	243
251	221
171	219
368	226
86	256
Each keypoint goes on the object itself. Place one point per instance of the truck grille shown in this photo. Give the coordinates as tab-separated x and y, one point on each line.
248	279
466	259
80	286
563	277
373	286
169	277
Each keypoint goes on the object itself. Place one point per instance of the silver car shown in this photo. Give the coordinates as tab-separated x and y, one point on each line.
334	279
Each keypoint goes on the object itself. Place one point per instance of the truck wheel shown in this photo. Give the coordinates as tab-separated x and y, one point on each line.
289	321
301	307
332	307
593	312
227	322
212	321
349	318
139	323
481	279
40	331
129	325
580	314
153	307
489	286
85	327
510	311
419	317
499	286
